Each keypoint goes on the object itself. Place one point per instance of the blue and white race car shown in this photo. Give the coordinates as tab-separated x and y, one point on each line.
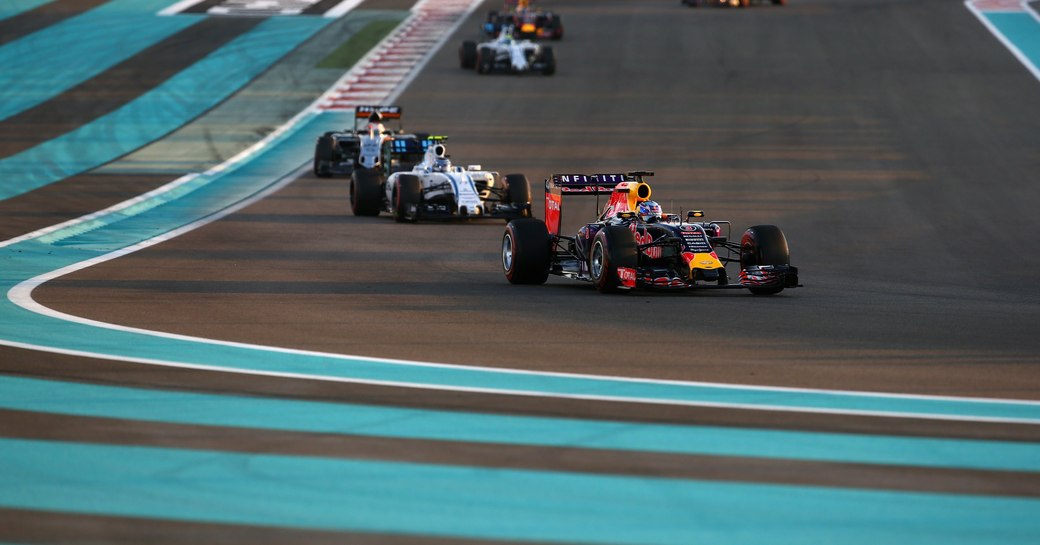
434	189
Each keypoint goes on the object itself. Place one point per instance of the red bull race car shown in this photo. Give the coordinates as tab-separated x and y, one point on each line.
731	3
528	22
633	244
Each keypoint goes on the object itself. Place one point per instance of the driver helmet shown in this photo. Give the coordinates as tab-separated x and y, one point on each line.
375	123
442	164
649	211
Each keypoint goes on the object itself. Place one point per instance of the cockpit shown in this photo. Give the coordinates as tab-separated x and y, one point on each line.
442	164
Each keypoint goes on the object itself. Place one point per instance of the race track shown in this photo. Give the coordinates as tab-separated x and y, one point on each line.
895	144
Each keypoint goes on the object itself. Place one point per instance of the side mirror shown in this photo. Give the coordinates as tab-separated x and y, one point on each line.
694	214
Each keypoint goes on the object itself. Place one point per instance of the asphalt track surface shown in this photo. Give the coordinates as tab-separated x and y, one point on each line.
894	143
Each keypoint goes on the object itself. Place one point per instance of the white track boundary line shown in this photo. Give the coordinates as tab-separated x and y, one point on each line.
21	295
530	393
1029	9
341	9
1022	58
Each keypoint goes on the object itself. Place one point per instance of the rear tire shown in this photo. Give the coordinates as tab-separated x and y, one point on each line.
407	198
557	28
518	192
614	247
366	196
468	55
526	251
764	245
324	154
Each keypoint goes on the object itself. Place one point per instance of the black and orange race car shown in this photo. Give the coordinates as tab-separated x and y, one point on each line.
528	22
731	3
632	244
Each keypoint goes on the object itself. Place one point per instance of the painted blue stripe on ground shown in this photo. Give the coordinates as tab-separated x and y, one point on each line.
46	63
10	8
322	417
1021	29
483	503
159	111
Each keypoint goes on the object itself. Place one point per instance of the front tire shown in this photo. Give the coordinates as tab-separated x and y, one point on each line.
526	251
764	245
407	198
366	196
614	247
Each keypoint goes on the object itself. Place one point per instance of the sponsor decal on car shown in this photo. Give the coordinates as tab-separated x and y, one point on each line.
626	277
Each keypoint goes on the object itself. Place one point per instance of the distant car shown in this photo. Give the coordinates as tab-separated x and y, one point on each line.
527	21
633	244
369	145
435	190
507	54
731	3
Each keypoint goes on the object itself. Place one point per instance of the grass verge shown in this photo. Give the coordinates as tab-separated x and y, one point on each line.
359	44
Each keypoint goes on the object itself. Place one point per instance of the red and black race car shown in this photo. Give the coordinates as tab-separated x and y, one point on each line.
632	244
528	22
731	3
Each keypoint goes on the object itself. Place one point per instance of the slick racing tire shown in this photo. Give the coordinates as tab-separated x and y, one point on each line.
324	152
485	60
614	247
557	27
407	198
764	245
365	193
468	55
518	192
526	251
548	61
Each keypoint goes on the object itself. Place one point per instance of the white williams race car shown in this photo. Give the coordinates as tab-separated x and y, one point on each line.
434	189
506	54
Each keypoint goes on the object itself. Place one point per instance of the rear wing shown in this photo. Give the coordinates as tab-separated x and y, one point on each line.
361	114
558	185
388	112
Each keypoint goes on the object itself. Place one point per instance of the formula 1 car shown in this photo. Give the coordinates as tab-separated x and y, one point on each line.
528	22
369	145
623	249
731	3
506	54
434	189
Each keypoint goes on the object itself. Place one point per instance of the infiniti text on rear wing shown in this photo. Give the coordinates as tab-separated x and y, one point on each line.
558	185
